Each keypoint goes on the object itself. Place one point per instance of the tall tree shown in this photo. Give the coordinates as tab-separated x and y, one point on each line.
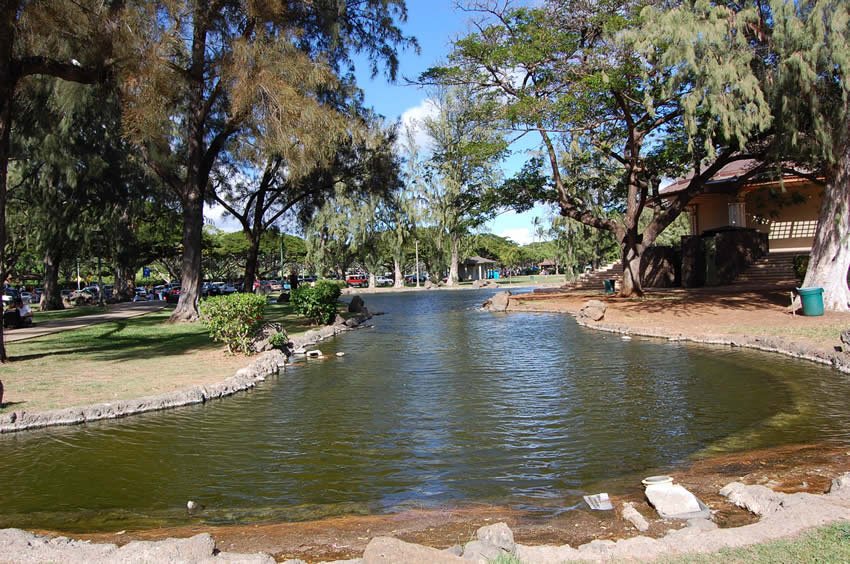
219	74
68	39
591	83
462	166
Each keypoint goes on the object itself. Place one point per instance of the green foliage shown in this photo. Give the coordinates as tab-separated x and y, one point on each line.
801	264
318	302
232	319
279	340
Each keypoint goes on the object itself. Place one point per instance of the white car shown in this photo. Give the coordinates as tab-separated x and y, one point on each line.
26	297
383	281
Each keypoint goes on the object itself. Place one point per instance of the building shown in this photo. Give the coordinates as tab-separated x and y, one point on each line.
746	211
476	268
785	210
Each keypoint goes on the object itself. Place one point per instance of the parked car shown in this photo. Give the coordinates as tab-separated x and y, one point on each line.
10	295
357	280
210	289
26	297
172	295
383	281
411	278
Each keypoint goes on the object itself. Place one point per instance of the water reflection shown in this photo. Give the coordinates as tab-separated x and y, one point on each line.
437	404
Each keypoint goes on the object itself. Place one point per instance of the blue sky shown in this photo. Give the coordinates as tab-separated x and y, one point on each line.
436	24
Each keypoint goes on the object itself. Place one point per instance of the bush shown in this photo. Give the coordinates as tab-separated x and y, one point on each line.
318	302
233	319
801	264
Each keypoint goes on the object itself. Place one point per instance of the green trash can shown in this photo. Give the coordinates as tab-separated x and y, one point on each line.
609	286
812	299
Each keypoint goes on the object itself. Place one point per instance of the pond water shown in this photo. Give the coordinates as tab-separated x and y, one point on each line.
437	404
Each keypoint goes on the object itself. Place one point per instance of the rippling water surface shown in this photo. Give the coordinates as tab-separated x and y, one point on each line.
437	404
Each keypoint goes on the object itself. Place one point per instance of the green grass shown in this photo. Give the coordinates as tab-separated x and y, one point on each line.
81	311
121	359
826	544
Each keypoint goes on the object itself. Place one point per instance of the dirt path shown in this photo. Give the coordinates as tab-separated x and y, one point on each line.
114	313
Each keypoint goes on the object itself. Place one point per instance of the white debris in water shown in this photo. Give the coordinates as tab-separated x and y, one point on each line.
626	338
340	353
316	353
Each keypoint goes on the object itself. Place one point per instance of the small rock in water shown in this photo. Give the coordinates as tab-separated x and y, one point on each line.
340	353
316	353
626	338
192	506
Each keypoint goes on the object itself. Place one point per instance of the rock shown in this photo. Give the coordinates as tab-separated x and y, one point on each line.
356	305
428	285
481	552
352	322
546	554
194	549
193	506
315	353
840	485
232	558
593	310
340	353
268	337
457	550
672	501
478	284
387	550
634	517
499	535
759	500
498	303
845	337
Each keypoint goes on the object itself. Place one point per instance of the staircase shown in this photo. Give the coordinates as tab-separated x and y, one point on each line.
595	280
773	269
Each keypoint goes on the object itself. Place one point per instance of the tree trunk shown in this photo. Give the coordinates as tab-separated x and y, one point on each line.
373	283
125	281
51	298
452	279
190	273
830	259
399	276
251	260
632	253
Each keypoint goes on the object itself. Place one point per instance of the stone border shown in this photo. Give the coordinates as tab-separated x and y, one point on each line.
265	365
764	343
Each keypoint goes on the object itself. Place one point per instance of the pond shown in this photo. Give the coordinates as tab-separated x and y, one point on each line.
437	404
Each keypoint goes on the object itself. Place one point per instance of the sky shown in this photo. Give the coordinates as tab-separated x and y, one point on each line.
435	24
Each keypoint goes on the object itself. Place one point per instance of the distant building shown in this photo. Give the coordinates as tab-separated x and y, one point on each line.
476	268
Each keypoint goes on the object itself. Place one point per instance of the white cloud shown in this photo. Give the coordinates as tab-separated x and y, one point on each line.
413	119
519	235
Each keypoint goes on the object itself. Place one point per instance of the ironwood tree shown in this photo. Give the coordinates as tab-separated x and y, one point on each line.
213	76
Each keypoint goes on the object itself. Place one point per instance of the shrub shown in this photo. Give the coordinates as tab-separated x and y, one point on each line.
801	264
233	319
318	302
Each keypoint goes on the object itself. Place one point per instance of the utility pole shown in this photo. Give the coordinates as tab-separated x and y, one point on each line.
417	263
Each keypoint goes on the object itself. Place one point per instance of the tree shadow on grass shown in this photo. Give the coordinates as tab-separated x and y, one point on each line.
120	341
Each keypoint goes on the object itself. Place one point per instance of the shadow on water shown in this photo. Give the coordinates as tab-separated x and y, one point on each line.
438	404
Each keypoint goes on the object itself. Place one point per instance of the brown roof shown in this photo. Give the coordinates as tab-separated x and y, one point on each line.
729	173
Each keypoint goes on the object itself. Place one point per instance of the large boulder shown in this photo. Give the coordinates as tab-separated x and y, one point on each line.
499	302
268	337
593	310
499	535
357	305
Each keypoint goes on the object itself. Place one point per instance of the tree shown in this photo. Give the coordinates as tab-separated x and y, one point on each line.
810	87
71	40
220	76
600	84
462	166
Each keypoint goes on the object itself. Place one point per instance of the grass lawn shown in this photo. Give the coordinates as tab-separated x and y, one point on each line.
81	311
123	359
825	544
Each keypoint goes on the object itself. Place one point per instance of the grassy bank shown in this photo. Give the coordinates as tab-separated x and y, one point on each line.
826	544
122	359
